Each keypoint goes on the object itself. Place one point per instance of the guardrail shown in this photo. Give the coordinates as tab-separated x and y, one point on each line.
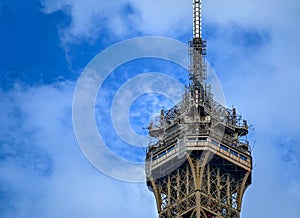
200	143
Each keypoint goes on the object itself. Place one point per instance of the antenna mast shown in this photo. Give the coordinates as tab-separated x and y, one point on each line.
197	52
197	29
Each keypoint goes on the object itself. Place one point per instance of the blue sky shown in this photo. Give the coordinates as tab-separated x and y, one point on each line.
253	46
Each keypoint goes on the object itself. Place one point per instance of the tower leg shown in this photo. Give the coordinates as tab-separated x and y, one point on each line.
198	207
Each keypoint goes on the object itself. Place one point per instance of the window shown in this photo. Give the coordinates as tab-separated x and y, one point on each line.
161	154
171	149
223	147
192	139
234	153
214	142
243	157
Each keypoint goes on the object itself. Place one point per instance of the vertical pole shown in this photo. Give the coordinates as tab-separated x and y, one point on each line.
169	196
228	196
219	187
187	180
198	49
197	29
198	186
178	186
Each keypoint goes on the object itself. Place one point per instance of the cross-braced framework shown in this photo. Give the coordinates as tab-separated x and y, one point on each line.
198	162
200	189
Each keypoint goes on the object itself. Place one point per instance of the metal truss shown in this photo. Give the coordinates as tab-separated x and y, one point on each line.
200	189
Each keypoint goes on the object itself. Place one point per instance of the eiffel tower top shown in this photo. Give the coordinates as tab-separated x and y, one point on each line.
198	113
198	162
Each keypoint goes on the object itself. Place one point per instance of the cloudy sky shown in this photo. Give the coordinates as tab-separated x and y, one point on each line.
253	46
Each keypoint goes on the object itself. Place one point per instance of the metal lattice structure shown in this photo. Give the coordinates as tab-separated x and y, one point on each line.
198	162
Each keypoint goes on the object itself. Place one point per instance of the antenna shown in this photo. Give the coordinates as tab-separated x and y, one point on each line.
197	29
197	52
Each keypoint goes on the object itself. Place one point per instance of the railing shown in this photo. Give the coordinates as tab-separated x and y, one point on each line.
199	143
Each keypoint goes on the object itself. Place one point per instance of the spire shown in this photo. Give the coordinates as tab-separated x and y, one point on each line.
197	31
197	51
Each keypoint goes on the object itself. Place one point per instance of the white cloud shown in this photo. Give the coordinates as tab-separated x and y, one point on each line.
170	18
263	13
121	18
42	170
167	17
